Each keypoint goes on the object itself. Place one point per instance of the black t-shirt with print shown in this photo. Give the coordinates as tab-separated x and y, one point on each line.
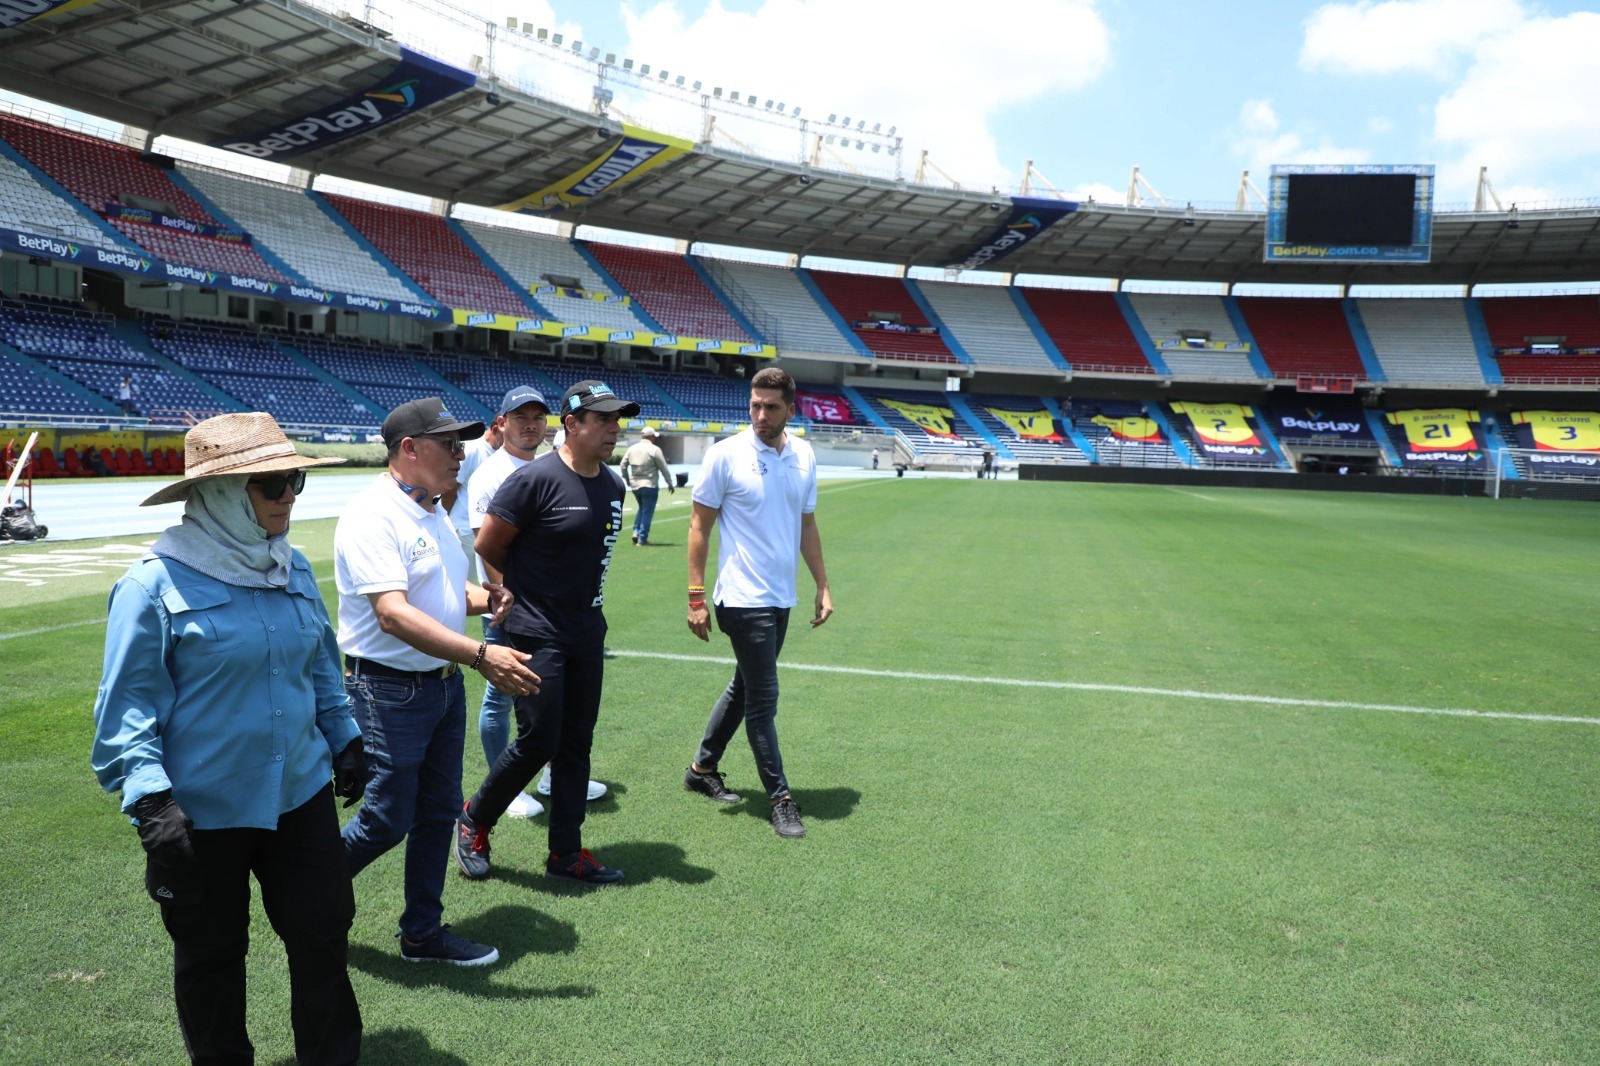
567	527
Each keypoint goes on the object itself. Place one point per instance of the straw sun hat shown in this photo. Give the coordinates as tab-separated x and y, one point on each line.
244	443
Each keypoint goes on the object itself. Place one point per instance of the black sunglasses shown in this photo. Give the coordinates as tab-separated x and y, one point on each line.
272	487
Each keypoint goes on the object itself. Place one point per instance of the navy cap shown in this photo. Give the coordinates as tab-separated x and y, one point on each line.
596	396
523	394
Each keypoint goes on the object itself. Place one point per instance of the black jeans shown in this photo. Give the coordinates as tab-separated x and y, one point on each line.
555	726
752	696
305	888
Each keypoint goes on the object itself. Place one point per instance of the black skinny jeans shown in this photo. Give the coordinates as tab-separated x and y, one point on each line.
752	696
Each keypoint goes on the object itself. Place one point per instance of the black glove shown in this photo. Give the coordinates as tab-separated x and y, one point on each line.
350	773
164	829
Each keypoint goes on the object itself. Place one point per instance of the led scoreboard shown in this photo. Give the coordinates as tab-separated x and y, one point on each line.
1350	213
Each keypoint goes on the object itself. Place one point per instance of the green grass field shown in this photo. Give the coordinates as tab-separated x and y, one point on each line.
1122	872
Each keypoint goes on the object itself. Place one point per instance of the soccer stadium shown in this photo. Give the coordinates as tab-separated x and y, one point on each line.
1272	740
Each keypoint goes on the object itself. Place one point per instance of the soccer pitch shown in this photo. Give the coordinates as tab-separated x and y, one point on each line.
1091	774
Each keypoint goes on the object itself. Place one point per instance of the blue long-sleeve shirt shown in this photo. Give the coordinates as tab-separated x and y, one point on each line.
232	697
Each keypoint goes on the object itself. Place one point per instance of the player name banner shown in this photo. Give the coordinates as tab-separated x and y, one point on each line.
893	327
935	420
1131	429
823	408
16	12
638	151
1559	439
1321	423
1029	218
1028	425
1439	437
416	82
1223	431
145	217
580	294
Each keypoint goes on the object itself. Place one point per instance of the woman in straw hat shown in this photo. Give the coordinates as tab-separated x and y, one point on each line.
223	721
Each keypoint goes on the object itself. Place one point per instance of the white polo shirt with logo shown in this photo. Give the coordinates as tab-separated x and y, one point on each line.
761	493
486	481
387	542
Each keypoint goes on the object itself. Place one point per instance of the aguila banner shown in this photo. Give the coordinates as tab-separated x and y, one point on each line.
638	151
1029	425
418	81
823	408
935	420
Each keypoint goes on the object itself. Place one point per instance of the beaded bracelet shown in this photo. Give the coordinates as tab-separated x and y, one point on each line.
477	660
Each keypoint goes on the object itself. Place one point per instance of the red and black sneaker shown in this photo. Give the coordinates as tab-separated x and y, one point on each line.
472	846
581	866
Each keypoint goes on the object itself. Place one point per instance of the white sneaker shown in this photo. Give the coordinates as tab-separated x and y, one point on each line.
524	806
596	788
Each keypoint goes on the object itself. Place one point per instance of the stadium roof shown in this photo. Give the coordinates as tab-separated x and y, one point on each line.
206	70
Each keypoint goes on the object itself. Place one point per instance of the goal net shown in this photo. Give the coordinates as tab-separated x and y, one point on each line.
1527	473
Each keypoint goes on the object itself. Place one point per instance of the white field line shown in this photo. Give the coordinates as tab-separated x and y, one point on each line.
1140	690
1186	492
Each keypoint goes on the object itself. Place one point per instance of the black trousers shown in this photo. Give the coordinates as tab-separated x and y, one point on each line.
556	726
305	888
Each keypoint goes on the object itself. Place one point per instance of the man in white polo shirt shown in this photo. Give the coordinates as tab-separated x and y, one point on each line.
762	484
403	599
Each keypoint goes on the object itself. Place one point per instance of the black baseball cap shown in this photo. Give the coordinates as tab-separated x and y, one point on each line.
520	395
596	396
424	416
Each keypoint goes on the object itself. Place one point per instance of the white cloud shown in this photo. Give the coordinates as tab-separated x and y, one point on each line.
1526	110
1402	35
1261	141
873	61
1381	125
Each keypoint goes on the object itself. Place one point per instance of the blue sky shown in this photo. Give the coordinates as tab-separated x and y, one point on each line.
1192	92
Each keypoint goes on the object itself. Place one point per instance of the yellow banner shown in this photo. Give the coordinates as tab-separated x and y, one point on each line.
580	294
1034	425
1220	423
936	420
1132	427
1562	431
641	338
1437	429
638	151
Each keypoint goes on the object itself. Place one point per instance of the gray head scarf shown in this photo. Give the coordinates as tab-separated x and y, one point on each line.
220	538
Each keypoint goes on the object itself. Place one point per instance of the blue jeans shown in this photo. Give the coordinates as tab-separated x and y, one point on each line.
494	717
752	696
646	498
413	731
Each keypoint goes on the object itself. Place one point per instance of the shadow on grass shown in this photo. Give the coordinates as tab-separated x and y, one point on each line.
642	861
514	931
823	804
398	1047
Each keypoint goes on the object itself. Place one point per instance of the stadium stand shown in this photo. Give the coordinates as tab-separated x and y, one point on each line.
708	398
670	292
251	368
423	245
630	384
532	259
1565	321
1422	340
987	324
1089	330
303	236
30	388
796	322
28	206
962	447
1302	335
857	297
1024	449
100	174
1170	320
1122	433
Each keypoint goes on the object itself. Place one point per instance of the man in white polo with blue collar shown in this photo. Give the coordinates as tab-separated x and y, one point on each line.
403	600
762	485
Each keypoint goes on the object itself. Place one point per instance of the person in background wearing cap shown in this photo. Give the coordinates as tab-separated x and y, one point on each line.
456	501
221	718
520	426
639	466
551	529
403	600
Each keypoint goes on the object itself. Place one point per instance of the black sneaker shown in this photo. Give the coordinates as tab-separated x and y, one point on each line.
786	818
472	846
445	946
710	784
581	866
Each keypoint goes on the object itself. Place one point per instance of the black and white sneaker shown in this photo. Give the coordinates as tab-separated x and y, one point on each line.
445	946
786	818
710	784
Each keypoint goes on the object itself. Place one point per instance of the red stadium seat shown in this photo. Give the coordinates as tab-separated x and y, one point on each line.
136	463
120	462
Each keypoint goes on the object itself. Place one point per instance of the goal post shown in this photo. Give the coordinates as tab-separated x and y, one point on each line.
1535	474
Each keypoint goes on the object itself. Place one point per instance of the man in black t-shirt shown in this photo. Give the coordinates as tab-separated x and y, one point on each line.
551	530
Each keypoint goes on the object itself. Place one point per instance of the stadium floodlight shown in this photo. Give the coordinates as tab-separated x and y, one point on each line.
734	97
644	70
769	103
627	64
527	29
511	22
749	99
664	75
594	53
832	119
876	126
543	34
795	113
557	39
611	59
876	148
577	46
846	121
828	139
696	86
717	92
1512	219
861	125
891	131
679	81
860	145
